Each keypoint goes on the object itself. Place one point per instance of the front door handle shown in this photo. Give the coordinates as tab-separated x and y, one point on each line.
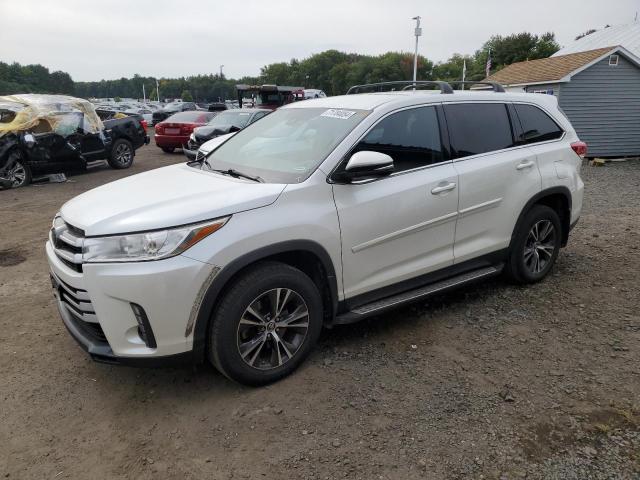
443	188
525	164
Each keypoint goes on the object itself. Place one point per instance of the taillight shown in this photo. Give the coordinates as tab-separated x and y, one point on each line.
188	127
159	127
144	124
580	148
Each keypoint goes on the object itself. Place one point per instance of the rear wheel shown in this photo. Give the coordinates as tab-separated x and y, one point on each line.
266	324
121	154
19	173
168	149
536	245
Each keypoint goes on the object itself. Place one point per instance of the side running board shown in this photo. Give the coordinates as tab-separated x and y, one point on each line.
393	301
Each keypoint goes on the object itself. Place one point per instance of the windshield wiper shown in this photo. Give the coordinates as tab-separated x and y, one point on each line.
235	173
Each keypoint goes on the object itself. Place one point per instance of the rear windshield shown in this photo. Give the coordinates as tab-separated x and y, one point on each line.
191	117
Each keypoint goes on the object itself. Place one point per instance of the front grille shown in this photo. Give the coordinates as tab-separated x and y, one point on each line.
81	311
67	242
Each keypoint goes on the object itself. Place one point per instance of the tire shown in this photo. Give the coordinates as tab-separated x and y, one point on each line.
122	154
535	246
19	175
260	350
168	149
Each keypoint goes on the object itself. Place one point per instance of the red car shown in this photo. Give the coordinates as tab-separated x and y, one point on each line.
174	131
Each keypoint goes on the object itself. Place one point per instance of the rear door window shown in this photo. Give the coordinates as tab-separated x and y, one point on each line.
411	137
476	128
537	126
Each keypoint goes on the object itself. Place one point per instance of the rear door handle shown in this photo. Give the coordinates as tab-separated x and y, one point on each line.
443	188
525	164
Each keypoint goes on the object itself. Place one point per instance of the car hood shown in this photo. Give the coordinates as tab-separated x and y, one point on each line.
210	131
166	197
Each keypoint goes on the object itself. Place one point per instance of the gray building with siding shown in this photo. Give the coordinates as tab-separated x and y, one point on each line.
599	90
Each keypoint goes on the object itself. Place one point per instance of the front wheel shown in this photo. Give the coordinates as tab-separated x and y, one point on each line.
266	324
122	153
536	245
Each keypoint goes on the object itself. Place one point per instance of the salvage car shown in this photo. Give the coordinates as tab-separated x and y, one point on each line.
325	212
41	134
174	131
225	122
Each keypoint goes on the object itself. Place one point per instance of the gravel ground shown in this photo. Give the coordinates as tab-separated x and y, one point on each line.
492	381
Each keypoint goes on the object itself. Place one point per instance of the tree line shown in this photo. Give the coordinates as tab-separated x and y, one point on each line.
332	71
16	78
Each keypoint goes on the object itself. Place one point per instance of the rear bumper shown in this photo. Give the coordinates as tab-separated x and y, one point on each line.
171	141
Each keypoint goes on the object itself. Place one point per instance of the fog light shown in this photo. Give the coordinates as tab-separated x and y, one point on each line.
144	327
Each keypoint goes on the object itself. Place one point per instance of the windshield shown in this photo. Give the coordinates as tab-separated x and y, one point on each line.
270	99
238	119
287	145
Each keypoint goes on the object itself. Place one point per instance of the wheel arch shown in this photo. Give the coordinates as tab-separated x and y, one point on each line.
557	198
305	255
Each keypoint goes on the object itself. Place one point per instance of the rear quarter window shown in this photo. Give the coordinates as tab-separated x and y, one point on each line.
537	126
476	128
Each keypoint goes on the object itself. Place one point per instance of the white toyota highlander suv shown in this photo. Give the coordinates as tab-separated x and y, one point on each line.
324	212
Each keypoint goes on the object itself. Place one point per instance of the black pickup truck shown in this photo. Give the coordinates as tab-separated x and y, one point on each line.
42	134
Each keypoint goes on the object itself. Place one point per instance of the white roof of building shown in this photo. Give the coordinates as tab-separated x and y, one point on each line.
627	36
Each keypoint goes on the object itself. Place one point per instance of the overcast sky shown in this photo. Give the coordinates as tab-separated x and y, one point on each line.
171	38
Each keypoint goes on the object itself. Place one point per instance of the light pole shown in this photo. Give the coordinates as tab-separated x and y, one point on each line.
221	66
418	33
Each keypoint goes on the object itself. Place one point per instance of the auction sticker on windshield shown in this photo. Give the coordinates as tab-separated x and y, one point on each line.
337	113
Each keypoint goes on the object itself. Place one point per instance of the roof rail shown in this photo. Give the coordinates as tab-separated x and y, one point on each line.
494	85
406	84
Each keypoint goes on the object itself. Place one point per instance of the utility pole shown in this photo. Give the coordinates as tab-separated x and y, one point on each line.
418	33
158	89
221	66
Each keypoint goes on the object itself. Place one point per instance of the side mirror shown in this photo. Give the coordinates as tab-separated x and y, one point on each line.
367	164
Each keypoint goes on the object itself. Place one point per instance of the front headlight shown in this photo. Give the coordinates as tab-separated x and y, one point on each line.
145	246
192	137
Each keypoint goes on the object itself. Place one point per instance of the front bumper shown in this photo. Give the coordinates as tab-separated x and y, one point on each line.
96	307
190	154
101	351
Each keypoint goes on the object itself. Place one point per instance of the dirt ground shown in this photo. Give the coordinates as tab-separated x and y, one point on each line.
492	381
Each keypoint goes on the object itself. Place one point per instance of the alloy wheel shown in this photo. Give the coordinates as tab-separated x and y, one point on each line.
17	175
540	246
272	328
123	154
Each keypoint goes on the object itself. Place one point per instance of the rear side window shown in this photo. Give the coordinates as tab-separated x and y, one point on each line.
410	137
537	126
476	128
